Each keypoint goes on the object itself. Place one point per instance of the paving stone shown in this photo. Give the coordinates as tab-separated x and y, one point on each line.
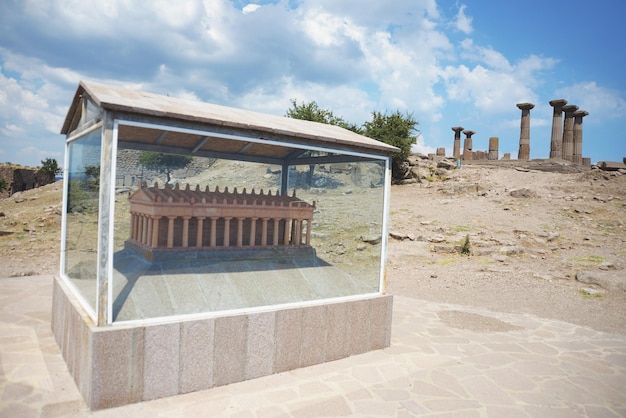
544	368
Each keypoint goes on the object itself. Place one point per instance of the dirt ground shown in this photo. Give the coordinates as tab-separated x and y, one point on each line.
528	234
525	251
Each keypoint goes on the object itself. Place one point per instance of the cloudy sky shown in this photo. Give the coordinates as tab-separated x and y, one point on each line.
449	63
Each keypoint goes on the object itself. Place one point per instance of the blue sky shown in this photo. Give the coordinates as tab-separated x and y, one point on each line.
449	63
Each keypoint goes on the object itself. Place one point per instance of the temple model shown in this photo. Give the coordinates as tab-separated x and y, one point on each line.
191	219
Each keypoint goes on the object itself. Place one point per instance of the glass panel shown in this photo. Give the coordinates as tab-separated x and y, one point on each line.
219	237
92	111
81	235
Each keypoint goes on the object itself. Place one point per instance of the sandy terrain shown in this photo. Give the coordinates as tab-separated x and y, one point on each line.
525	251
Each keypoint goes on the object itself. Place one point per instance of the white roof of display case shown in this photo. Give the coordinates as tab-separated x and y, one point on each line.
169	124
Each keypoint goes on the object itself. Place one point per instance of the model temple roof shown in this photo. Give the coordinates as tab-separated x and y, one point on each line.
163	123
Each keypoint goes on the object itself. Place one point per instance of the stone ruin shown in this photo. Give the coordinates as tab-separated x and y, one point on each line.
184	219
566	139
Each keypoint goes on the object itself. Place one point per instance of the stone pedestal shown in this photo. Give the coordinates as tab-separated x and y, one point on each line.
493	148
556	140
577	155
568	132
118	365
467	145
524	137
457	142
441	152
586	162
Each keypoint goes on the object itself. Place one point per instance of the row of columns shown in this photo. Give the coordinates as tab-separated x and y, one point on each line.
567	136
145	231
566	140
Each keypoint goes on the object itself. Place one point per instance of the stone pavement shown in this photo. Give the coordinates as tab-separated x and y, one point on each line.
444	361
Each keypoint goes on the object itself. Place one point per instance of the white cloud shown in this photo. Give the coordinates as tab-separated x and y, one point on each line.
250	8
463	22
601	102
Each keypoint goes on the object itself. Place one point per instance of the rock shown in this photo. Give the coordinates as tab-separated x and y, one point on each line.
400	236
441	172
446	164
607	266
553	236
2	215
361	247
371	239
522	193
437	238
347	191
606	280
448	249
590	292
511	250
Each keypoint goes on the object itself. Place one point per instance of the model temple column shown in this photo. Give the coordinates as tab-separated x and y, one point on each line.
457	142
493	148
524	136
577	155
568	132
556	141
467	145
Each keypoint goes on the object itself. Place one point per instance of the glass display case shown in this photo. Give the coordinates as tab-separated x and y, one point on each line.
184	211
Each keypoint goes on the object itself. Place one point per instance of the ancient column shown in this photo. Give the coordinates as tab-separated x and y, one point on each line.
308	232
144	229
227	231
556	141
524	136
213	239
457	142
275	231
240	231
186	231
467	145
253	231
199	231
493	148
286	235
170	231
568	132
441	152
155	232
577	155
264	231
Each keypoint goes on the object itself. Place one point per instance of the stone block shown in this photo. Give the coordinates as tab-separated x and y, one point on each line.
113	367
336	331
197	339
313	335
288	339
161	364
261	343
231	333
380	317
358	329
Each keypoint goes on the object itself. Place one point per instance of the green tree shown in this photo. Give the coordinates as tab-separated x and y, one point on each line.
92	182
311	111
49	169
164	163
3	185
395	129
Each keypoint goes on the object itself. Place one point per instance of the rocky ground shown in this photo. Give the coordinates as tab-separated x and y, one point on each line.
504	238
530	235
